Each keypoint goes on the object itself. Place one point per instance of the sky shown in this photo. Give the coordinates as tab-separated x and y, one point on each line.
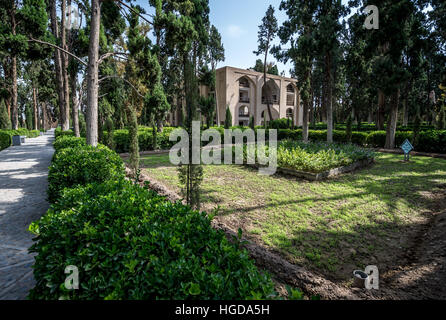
238	22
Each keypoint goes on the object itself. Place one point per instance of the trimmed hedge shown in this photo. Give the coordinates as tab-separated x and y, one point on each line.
5	140
58	132
81	165
6	136
128	242
427	141
65	141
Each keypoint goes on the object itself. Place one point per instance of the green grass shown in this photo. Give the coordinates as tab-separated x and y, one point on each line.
334	226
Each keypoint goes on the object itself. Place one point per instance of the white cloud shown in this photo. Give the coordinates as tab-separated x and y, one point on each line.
235	31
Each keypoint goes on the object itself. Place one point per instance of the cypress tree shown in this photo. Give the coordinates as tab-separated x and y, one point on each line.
134	147
251	123
228	118
5	122
109	138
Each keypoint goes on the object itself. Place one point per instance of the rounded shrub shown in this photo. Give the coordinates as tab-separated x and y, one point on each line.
63	142
82	165
129	243
5	140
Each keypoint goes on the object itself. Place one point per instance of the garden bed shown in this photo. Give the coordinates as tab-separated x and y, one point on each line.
330	227
326	174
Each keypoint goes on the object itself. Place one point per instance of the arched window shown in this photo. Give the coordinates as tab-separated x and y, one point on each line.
243	83
270	93
262	115
290	95
243	90
289	113
243	111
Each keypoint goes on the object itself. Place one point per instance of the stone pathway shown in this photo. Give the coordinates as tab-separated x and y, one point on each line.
23	184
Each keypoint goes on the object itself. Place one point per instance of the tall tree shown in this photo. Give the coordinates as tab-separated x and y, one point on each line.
328	29
267	32
297	32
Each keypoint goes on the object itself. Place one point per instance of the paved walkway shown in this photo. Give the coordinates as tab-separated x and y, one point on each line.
23	184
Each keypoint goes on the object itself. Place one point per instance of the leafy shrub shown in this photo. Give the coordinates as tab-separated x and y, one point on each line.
145	139
129	243
82	165
5	140
58	132
318	157
432	141
280	124
376	139
68	142
6	136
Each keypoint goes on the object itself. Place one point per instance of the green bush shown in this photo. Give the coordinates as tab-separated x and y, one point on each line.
129	243
58	132
280	124
68	142
81	165
318	157
145	139
432	141
5	140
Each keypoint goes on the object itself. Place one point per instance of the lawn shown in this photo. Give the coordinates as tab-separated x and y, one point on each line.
334	226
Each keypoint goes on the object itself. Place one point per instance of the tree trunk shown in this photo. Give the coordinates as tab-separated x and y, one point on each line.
329	102
305	114
64	57
44	118
381	109
92	75
405	112
392	121
264	84
8	106
370	117
75	105
35	110
58	64
15	113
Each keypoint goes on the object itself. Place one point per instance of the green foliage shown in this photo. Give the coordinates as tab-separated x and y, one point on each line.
431	141
190	178
134	147
348	128
81	165
6	136
318	157
131	244
251	122
5	140
207	108
427	141
228	118
441	121
109	138
280	124
145	139
63	142
58	132
5	122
